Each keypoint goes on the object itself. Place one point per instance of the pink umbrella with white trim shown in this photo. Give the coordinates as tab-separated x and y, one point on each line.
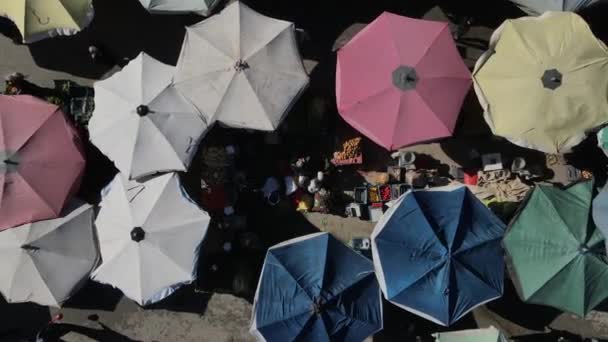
401	81
41	160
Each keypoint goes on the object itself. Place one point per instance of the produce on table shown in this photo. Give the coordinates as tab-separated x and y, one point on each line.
374	195
385	193
351	148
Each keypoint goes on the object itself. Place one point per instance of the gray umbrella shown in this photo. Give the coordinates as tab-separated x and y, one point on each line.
45	262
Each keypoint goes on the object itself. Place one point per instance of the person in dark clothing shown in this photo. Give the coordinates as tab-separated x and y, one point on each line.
99	56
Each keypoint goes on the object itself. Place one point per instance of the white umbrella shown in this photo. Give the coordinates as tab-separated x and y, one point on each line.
202	7
149	233
241	68
538	7
47	261
142	123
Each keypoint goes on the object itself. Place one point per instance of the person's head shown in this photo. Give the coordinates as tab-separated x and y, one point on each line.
15	77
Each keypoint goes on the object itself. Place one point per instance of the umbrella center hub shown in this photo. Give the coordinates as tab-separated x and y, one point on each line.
10	162
552	79
29	248
317	307
405	77
138	234
583	249
241	65
143	110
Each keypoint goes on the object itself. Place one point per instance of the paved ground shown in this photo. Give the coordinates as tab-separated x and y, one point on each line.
190	316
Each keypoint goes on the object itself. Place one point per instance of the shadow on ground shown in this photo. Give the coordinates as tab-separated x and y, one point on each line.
103	334
529	316
595	16
95	296
99	171
184	299
400	325
21	320
121	29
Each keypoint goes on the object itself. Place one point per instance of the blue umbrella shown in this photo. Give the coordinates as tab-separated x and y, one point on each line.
437	253
314	288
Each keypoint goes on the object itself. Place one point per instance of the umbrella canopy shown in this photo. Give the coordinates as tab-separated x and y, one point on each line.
557	255
537	7
437	253
142	123
241	68
314	288
490	334
411	92
600	211
41	160
39	19
542	82
47	261
202	7
149	233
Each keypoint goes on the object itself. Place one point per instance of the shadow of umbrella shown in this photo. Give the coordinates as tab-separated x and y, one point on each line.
595	16
184	299
530	316
466	151
401	325
95	296
105	334
21	319
485	13
99	171
588	156
121	29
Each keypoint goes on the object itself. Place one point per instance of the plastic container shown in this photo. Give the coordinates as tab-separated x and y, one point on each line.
373	194
361	195
385	193
470	178
395	174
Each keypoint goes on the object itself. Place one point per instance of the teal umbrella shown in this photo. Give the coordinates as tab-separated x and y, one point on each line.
556	252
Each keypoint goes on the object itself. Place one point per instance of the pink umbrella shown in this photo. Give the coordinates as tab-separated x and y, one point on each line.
41	160
401	81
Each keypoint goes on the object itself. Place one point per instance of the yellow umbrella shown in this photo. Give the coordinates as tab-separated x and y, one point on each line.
39	19
543	84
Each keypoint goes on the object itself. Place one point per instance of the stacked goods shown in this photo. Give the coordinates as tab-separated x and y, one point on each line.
215	161
350	153
215	157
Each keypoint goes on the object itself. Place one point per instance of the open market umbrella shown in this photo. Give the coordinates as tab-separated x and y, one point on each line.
142	123
542	83
241	68
437	253
39	19
412	91
47	261
490	334
600	211
202	7
556	253
537	7
314	288
149	234
41	160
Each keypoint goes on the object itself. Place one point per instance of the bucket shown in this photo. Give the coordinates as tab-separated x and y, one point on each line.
518	164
